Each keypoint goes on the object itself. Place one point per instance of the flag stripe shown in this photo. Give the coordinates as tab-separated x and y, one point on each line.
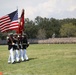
5	25
10	26
3	17
4	21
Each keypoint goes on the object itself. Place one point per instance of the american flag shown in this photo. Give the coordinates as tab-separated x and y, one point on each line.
9	22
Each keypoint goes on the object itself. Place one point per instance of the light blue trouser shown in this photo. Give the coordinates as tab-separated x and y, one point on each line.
21	55
16	55
25	54
11	56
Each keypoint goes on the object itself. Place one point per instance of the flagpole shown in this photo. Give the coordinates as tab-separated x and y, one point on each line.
17	7
24	21
18	20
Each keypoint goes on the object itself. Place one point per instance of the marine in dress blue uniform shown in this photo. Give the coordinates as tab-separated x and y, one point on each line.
16	47
20	37
25	44
10	48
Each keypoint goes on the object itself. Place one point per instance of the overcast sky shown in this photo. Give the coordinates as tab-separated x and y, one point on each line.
58	9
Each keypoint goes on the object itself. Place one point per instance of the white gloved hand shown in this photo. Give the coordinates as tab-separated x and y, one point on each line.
13	43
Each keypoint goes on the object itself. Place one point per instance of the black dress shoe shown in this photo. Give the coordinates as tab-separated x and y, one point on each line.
13	62
27	60
18	61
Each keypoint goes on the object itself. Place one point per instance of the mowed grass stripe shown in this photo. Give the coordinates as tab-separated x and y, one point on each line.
45	59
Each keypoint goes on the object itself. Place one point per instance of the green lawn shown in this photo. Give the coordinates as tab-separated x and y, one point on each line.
45	59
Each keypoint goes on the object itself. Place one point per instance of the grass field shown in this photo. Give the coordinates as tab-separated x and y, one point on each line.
45	59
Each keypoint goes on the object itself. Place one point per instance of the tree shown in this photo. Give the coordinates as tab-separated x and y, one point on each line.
68	30
50	26
30	28
41	34
55	24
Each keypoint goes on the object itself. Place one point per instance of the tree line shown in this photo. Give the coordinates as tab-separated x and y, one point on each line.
44	28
